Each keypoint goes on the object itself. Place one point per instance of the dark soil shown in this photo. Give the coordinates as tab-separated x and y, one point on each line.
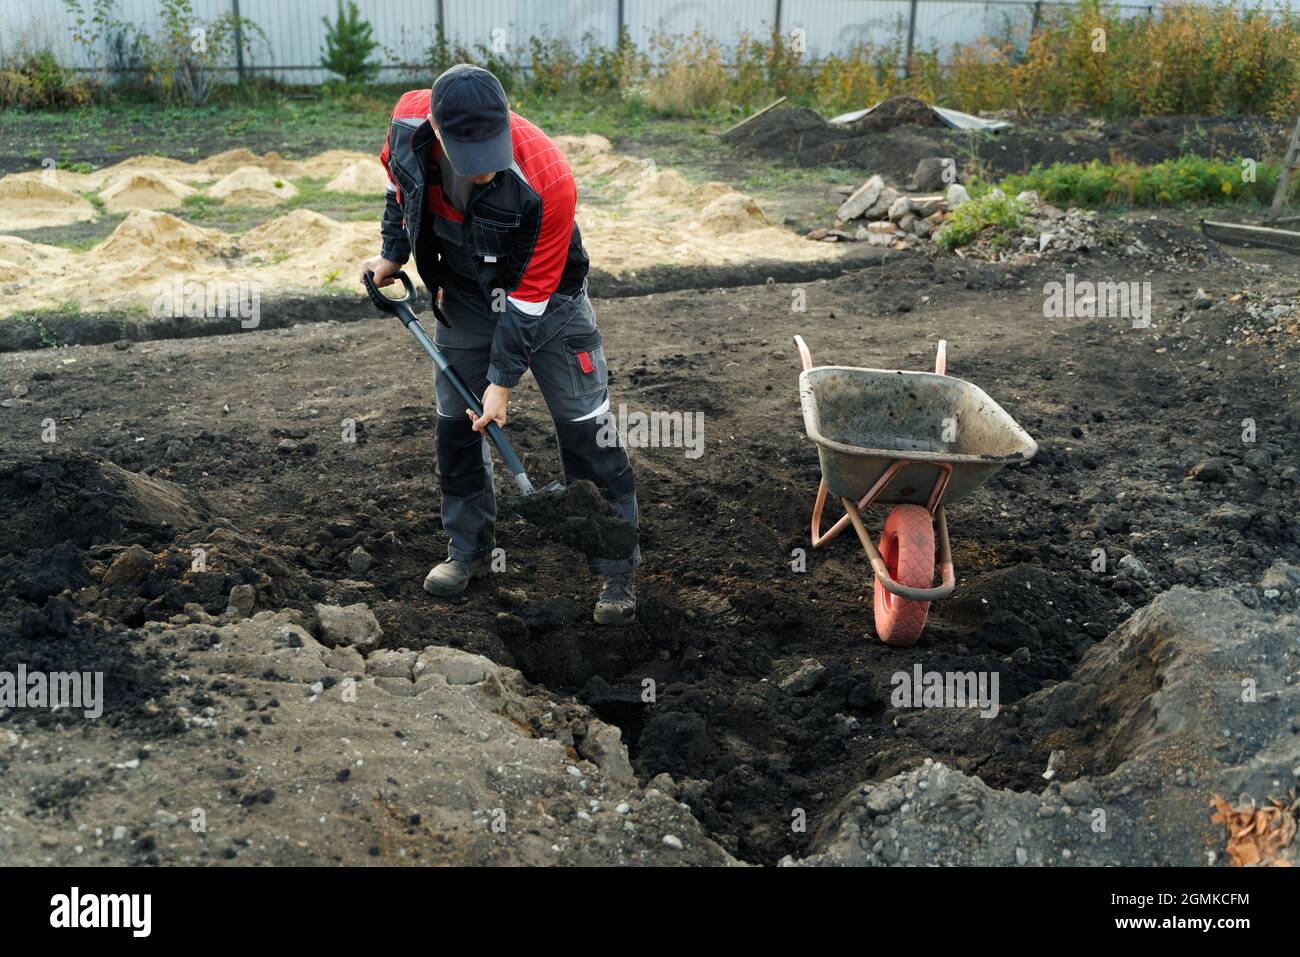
579	516
899	111
895	141
1140	453
77	499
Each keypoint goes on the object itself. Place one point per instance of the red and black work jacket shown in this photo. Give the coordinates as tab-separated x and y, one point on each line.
517	232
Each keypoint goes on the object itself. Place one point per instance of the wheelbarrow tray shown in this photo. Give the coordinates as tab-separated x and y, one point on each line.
865	421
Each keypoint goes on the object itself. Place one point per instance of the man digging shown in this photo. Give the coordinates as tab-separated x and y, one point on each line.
485	200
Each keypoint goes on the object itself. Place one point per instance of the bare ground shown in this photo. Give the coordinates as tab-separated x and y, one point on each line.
249	427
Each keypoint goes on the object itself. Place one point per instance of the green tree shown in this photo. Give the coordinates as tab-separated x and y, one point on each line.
348	45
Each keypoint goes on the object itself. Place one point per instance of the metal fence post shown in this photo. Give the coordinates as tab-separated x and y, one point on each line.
776	19
1038	17
911	38
239	40
618	26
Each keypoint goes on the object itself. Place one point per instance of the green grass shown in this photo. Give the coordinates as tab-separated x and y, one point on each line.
313	195
207	211
779	176
292	125
204	210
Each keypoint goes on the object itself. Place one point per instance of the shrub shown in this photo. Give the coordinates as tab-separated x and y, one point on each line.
1186	179
690	76
36	81
349	41
992	210
180	61
1186	59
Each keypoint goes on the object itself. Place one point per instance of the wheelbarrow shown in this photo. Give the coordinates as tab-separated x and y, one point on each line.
914	440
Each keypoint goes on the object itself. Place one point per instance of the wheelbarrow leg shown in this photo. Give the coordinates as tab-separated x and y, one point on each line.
818	539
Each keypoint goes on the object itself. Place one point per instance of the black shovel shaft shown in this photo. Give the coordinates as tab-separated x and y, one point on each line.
402	309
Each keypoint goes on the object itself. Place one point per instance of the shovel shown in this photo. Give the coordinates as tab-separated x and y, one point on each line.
401	308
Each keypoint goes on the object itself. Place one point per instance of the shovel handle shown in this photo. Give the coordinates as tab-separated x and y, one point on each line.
402	309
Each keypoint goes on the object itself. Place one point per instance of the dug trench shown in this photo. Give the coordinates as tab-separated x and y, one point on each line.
301	462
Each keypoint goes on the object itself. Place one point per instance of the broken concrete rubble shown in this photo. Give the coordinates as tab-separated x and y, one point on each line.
871	200
350	625
861	200
468	764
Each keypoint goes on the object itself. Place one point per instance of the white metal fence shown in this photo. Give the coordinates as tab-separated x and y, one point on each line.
295	33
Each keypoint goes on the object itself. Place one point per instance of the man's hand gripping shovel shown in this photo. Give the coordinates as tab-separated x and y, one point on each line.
401	308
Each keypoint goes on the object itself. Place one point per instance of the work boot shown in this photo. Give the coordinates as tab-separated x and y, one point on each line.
617	602
452	576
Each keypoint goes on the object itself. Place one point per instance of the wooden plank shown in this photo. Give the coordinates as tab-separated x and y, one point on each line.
1241	234
753	116
1284	178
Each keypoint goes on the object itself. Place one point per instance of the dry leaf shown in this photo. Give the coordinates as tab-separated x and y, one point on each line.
1258	836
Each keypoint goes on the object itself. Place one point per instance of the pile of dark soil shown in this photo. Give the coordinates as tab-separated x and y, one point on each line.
789	132
898	111
73	497
57	512
578	516
902	131
56	639
801	137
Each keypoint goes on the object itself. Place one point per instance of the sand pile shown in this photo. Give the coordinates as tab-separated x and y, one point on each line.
307	248
29	202
161	165
332	162
578	147
252	186
731	213
150	250
60	177
21	260
670	188
597	166
635	214
300	228
233	160
146	235
365	177
144	190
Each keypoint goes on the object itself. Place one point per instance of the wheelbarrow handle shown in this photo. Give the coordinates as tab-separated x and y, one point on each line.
401	308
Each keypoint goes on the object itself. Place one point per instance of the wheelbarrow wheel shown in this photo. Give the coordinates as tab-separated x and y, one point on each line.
907	546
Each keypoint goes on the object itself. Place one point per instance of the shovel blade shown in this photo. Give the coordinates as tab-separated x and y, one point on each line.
526	492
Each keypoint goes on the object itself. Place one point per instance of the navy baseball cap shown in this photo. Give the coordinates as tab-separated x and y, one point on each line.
469	108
